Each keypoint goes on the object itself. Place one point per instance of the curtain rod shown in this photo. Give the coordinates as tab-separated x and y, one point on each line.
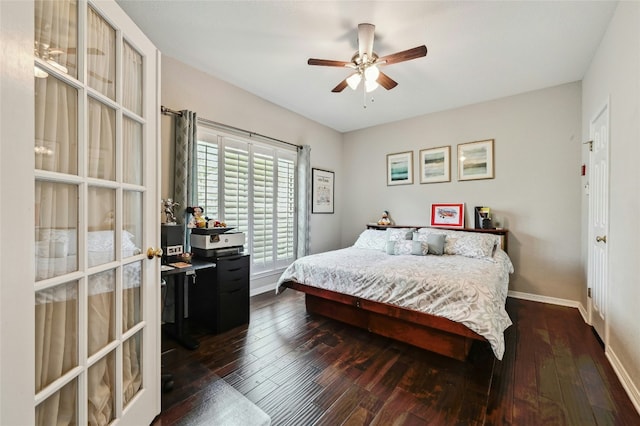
168	111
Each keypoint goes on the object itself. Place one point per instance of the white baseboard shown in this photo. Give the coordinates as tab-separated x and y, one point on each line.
551	301
625	379
263	289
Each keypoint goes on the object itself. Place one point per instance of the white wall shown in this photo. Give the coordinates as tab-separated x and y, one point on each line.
535	193
615	74
184	87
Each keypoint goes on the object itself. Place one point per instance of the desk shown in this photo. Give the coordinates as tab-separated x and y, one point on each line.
177	332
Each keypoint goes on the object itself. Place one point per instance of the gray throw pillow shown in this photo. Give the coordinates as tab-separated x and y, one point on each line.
436	243
391	247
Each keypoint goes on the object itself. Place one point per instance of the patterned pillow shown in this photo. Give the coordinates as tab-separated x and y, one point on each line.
399	234
372	239
434	241
469	244
417	248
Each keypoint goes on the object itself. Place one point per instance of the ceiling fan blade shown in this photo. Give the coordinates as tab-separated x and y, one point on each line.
365	39
386	81
328	63
405	55
340	87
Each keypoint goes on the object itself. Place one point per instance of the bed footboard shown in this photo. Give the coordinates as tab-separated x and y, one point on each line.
435	334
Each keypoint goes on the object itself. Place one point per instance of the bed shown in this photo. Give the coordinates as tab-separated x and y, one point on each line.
438	289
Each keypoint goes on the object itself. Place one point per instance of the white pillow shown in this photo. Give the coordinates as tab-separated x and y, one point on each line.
68	237
372	239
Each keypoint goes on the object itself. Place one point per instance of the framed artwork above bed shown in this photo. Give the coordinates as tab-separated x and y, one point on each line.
450	215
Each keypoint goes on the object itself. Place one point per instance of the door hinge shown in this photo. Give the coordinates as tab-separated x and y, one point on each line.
590	143
589	292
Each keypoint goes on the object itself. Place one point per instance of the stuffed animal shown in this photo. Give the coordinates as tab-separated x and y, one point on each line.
385	220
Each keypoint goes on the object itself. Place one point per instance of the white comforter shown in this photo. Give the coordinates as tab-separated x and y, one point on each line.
466	290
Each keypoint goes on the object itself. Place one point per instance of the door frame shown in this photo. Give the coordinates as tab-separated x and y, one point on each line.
17	308
605	108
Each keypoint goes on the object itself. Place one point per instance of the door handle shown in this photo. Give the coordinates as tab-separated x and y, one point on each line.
151	252
602	239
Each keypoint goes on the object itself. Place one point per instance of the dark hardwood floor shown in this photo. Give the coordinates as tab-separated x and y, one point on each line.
303	370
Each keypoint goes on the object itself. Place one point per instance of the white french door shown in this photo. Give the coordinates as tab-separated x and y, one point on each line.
96	212
598	276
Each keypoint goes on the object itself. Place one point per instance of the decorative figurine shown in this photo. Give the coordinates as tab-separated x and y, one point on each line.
385	220
197	221
168	205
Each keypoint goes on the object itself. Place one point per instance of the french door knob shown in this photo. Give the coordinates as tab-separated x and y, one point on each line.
602	239
151	252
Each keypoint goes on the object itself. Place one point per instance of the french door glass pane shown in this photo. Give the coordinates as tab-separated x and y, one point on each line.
132	279
56	216
132	235
100	389
100	239
132	79
60	408
56	315
101	310
131	367
102	141
101	55
132	164
56	34
56	138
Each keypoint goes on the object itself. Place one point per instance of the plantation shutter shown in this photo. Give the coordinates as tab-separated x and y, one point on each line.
236	185
207	175
262	248
285	218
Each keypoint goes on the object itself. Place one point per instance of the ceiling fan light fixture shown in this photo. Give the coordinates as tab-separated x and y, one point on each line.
39	72
370	85
354	80
371	73
58	66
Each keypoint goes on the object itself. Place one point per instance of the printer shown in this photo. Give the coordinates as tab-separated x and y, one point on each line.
216	242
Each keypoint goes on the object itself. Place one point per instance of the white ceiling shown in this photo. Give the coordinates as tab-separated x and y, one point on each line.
477	50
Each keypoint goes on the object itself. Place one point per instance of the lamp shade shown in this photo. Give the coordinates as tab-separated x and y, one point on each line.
353	80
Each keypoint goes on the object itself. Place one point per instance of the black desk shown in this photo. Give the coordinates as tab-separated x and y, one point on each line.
177	332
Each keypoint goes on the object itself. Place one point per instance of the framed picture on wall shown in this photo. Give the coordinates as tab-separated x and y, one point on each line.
450	215
400	168
322	187
475	160
435	165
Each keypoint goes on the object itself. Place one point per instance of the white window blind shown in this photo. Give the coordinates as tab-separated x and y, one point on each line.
251	186
207	177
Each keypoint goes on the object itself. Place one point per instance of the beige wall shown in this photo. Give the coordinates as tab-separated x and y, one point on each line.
535	193
184	87
614	74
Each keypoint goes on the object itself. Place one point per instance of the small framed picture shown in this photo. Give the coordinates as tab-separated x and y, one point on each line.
475	160
435	165
449	215
400	168
322	191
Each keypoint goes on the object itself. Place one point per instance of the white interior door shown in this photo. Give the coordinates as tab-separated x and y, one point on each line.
96	212
598	276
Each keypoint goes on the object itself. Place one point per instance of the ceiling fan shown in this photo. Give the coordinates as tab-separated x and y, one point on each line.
365	63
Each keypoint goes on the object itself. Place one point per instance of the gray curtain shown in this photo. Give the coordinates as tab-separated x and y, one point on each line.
304	200
185	163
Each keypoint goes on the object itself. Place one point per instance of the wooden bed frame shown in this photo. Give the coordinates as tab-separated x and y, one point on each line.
433	333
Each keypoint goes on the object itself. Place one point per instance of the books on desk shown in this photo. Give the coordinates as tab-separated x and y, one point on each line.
180	264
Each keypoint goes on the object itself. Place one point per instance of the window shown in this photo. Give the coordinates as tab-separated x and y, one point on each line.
250	185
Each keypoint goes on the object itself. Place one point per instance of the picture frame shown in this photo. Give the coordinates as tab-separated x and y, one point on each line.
449	215
435	165
322	191
400	168
475	160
